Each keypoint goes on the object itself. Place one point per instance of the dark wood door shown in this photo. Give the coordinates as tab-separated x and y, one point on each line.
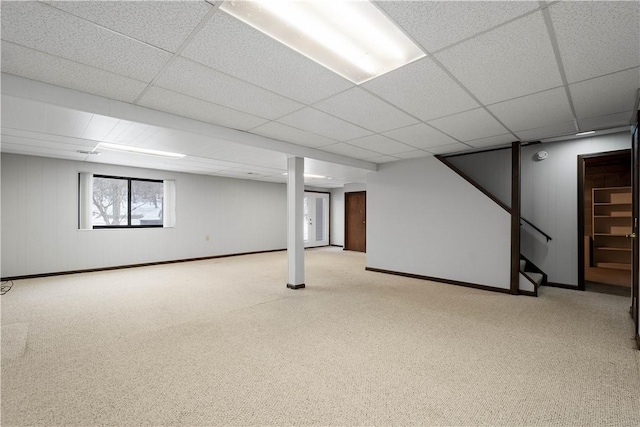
355	221
635	189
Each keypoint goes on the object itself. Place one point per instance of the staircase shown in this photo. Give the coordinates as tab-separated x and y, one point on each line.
525	278
531	277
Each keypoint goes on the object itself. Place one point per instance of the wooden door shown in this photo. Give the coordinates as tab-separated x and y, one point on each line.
635	185
355	222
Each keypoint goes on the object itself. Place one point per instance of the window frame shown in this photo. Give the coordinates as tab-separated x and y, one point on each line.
129	225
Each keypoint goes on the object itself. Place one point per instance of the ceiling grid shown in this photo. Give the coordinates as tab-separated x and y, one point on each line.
494	72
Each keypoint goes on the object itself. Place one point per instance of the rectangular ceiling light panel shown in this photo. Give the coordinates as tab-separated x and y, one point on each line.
137	150
352	38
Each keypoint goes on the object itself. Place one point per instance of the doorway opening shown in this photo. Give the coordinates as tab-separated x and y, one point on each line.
316	219
604	222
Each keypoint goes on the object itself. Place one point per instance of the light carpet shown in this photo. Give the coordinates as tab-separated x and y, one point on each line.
224	342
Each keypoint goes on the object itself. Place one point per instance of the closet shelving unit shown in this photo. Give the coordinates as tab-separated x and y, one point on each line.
611	223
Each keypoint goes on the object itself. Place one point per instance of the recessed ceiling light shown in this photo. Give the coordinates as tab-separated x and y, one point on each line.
352	38
136	150
586	133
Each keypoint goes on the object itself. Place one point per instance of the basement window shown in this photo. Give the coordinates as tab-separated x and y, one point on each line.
122	202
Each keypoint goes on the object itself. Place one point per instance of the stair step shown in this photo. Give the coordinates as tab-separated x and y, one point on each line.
536	277
523	264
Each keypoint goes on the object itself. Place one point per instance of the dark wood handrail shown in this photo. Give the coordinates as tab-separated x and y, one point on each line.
536	228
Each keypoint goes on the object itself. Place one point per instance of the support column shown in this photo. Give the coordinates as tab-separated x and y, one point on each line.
295	222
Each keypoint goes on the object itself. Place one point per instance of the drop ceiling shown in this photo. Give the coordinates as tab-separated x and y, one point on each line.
184	76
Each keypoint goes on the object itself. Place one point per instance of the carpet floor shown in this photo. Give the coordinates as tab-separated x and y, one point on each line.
224	342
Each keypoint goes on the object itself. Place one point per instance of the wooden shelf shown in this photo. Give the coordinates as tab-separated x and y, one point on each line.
610	189
609	248
614	265
610	222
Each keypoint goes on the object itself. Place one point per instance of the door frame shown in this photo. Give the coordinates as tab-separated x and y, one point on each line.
582	158
328	217
635	202
346	223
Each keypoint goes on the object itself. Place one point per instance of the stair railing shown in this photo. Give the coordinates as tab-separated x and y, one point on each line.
536	228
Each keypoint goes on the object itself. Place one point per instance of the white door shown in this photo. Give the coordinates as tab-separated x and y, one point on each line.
316	219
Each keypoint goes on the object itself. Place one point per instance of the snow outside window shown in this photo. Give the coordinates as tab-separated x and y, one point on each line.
117	202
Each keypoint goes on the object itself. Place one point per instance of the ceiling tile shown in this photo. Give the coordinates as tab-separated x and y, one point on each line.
206	162
9	117
196	80
598	37
606	95
42	67
99	127
604	122
42	142
436	24
547	132
469	125
320	123
492	141
186	106
164	24
350	151
361	108
28	114
382	159
422	89
64	121
532	111
47	137
252	156
449	149
31	150
295	136
334	170
44	28
420	136
381	144
126	131
228	45
510	61
412	154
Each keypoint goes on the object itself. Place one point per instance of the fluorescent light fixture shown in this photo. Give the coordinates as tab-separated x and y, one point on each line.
352	38
136	150
586	133
310	175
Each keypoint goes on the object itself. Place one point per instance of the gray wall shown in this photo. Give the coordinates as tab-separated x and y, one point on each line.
490	169
550	201
337	216
40	219
423	218
337	211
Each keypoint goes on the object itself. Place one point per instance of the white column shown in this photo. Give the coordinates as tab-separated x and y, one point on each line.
295	239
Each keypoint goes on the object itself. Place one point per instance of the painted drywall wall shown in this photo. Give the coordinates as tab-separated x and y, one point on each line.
40	219
550	200
337	217
337	210
490	169
424	219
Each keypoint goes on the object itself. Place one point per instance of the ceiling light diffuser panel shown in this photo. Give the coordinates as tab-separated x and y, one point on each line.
137	150
352	38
